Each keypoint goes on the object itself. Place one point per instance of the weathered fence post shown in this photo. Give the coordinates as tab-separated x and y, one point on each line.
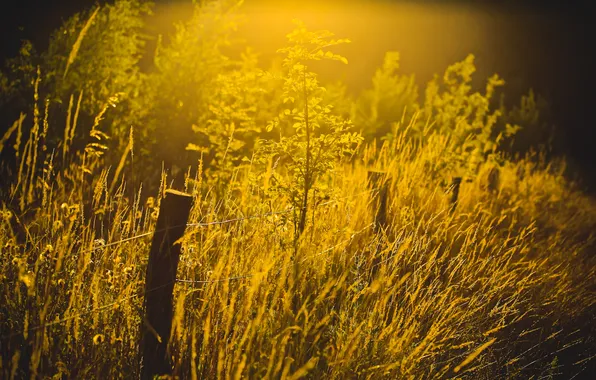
493	180
455	192
378	181
159	284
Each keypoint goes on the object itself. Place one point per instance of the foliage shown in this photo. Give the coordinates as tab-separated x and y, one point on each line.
392	98
92	62
500	286
227	132
97	53
465	117
20	73
188	70
499	281
532	113
319	138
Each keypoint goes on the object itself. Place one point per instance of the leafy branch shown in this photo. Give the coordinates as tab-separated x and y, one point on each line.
318	138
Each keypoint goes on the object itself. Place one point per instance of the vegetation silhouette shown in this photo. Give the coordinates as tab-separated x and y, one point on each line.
274	276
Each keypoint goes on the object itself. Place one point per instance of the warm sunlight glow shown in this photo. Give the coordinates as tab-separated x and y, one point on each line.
287	190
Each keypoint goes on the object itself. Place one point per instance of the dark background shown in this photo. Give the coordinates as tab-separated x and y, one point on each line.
564	72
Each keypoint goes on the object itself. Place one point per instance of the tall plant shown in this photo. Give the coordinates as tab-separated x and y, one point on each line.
318	138
188	72
467	118
225	134
392	97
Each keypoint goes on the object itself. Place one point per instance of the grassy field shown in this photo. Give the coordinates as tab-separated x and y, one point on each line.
501	286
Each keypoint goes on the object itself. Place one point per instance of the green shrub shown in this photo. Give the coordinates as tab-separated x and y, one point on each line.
392	98
319	138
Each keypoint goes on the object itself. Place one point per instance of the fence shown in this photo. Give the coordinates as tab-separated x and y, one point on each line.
161	275
165	253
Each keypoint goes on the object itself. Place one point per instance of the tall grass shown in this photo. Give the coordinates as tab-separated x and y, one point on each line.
501	287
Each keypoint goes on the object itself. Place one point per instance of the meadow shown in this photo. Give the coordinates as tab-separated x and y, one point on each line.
284	273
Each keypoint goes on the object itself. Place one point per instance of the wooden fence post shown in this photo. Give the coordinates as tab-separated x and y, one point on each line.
377	180
455	192
159	284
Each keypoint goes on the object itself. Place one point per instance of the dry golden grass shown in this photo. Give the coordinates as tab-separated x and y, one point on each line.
504	286
498	288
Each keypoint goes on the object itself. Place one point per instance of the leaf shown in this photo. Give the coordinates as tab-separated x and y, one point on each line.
196	148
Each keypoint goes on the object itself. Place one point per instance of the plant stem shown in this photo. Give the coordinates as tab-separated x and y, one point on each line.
308	171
